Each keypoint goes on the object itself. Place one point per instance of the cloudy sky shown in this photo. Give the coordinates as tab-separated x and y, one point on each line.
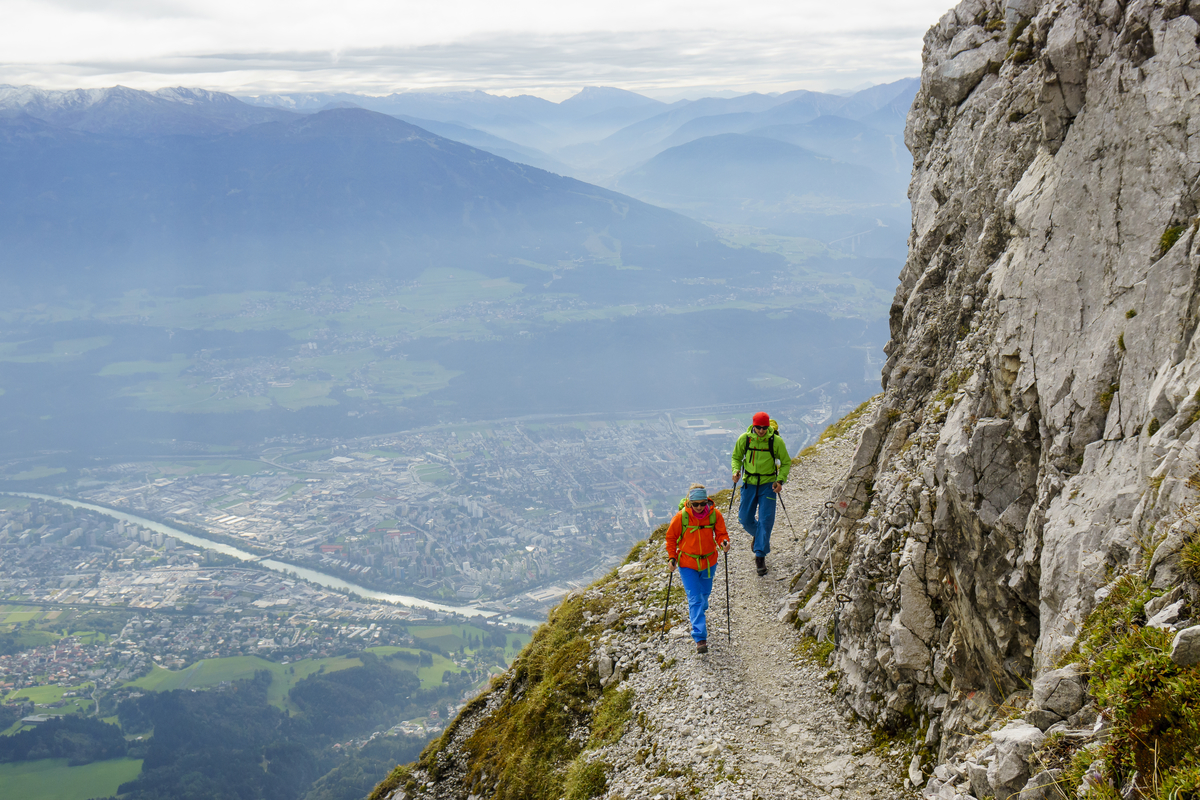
545	47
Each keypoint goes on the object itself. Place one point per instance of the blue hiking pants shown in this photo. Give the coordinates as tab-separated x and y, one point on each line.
698	586
757	514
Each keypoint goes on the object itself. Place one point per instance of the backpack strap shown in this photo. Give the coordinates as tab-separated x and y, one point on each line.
769	449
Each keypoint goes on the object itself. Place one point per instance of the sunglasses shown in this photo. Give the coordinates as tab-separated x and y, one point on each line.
759	427
699	505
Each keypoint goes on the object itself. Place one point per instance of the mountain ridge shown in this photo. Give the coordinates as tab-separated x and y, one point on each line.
302	183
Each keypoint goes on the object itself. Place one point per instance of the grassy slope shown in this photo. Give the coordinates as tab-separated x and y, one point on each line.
211	672
523	749
52	779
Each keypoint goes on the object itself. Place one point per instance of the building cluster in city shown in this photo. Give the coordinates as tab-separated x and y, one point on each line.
507	516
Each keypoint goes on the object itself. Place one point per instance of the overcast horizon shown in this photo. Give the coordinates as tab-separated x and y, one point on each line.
662	49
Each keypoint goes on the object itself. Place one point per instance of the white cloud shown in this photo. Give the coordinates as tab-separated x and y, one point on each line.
549	48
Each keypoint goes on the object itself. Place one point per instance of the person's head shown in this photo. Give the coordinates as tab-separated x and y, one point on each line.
697	497
761	423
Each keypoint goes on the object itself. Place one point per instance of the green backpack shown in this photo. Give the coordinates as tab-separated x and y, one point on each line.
773	426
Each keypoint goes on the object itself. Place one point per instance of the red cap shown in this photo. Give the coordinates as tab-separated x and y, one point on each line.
761	419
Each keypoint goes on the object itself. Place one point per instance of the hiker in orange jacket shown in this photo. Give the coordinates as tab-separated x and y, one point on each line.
693	538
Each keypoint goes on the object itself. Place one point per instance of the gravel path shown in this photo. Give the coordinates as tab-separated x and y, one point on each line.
754	717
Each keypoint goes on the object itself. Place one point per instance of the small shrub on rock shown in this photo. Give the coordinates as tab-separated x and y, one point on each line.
1153	748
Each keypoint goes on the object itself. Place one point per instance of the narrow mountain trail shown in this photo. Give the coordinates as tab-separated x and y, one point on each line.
754	717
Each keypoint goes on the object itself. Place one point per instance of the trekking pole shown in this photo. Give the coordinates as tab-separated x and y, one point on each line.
732	492
670	577
728	618
785	513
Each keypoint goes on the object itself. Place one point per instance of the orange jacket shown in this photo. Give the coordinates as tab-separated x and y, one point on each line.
698	550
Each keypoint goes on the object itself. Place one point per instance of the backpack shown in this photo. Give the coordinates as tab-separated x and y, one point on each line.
773	427
712	525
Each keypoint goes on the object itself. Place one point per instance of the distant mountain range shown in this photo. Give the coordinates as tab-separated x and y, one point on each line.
344	192
602	132
601	135
119	111
183	265
739	169
621	140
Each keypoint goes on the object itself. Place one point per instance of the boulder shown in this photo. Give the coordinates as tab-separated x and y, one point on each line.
977	777
909	651
1015	743
953	80
1185	650
1042	718
1046	785
1060	692
914	772
1157	604
1168	616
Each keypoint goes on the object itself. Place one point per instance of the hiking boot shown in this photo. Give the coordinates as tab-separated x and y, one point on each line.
702	646
760	563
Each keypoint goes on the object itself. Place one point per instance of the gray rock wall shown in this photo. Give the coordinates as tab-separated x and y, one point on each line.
1043	376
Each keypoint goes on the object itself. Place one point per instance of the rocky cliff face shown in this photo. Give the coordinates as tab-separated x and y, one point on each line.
1037	433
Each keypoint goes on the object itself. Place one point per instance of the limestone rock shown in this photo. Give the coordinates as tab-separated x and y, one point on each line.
978	779
1030	441
1185	650
955	79
1168	616
1046	785
1060	692
1009	772
914	772
1157	604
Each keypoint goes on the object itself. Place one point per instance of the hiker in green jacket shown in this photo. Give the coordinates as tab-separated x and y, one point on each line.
762	455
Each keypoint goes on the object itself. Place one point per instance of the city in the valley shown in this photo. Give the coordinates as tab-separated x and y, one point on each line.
444	544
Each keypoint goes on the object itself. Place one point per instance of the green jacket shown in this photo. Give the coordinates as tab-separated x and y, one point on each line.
760	465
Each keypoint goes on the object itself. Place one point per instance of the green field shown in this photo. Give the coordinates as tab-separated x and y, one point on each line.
429	676
61	351
10	615
213	671
794	248
430	307
52	779
454	637
432	473
52	694
171	368
35	473
34	638
163	385
307	455
233	466
411	311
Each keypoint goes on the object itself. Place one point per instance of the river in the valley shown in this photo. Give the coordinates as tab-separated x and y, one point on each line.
310	575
